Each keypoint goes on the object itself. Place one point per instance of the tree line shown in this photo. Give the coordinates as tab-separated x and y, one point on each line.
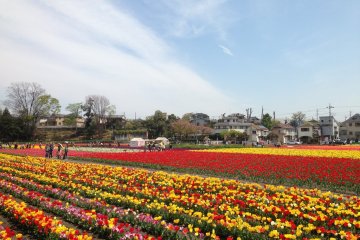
27	102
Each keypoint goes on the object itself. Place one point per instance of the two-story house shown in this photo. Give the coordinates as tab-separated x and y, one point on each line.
282	133
350	129
237	122
309	132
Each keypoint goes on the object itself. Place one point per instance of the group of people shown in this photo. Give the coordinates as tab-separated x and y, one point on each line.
153	146
61	151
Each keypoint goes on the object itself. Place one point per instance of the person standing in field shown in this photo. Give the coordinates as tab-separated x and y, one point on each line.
66	150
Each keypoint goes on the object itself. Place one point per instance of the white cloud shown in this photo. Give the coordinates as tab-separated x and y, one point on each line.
226	50
77	48
188	18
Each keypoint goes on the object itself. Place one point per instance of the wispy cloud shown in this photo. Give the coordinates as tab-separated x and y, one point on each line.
77	48
226	50
187	18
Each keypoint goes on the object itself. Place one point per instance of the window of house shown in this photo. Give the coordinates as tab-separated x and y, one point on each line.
357	124
350	133
322	120
350	124
254	132
304	129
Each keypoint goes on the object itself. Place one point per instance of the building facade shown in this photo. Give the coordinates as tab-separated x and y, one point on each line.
200	119
350	129
282	133
329	128
309	132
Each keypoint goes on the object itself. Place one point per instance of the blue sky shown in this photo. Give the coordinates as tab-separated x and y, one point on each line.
182	56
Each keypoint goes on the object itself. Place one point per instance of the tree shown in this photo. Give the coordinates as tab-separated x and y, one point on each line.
23	98
266	121
29	101
297	119
183	128
75	111
156	124
232	135
88	109
48	105
9	127
101	108
187	116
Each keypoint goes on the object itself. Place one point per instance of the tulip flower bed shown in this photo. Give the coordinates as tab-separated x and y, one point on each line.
329	169
160	205
7	233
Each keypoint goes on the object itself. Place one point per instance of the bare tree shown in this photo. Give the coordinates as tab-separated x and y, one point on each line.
23	98
101	107
29	100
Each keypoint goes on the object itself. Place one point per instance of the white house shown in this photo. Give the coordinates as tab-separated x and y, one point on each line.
308	132
283	133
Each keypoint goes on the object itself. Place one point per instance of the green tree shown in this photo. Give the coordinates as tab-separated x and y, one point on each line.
232	135
266	121
10	129
156	124
75	110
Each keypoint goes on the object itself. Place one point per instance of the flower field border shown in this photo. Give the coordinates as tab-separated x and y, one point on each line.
208	208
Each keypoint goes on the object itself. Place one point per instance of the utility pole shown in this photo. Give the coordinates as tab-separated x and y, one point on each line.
330	107
330	120
274	115
317	114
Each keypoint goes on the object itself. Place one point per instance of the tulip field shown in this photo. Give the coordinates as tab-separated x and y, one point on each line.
201	195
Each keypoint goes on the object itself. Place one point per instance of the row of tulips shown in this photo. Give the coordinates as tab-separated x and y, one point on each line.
8	234
328	153
101	224
332	173
41	225
145	221
226	207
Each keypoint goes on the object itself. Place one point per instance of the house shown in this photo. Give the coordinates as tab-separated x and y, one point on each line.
283	133
350	129
235	121
200	119
59	121
329	128
257	133
309	132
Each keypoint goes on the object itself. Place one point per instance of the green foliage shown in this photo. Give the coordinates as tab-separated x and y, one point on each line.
233	135
266	121
48	105
156	124
74	109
